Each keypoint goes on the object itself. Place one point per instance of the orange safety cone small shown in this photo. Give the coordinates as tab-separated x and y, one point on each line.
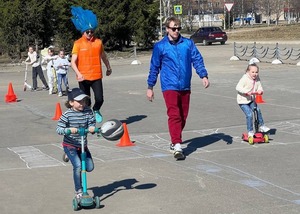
10	96
259	99
125	139
58	112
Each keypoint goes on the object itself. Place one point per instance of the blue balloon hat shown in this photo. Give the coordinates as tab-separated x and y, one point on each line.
83	19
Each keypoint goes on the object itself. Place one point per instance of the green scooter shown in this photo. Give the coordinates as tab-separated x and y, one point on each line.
86	200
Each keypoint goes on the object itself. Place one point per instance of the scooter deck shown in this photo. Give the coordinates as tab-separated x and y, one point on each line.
86	201
258	137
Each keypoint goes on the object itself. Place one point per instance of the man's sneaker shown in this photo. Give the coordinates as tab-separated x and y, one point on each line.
250	134
46	88
98	116
60	94
172	148
264	128
177	151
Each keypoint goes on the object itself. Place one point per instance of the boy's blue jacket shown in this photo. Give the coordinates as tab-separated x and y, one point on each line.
174	63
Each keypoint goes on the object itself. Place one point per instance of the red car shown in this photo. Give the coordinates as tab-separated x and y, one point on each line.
209	35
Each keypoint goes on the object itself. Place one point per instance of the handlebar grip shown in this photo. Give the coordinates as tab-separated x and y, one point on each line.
68	132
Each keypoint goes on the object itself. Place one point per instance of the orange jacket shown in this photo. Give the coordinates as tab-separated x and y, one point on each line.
89	57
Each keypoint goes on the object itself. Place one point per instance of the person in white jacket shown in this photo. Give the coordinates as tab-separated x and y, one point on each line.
247	86
51	73
34	61
61	65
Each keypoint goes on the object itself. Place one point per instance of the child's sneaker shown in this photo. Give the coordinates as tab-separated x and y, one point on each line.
250	134
98	116
264	128
65	158
177	151
78	194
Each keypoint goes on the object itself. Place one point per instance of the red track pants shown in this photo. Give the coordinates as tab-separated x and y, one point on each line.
177	103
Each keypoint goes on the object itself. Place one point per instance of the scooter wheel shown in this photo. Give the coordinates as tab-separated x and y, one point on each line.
97	202
266	138
75	204
250	140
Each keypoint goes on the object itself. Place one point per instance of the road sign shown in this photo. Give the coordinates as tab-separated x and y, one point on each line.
177	9
229	6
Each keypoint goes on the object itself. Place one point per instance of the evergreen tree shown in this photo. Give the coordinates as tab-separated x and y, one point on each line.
48	22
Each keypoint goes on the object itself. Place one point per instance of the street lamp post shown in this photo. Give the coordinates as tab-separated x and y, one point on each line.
160	17
224	16
289	15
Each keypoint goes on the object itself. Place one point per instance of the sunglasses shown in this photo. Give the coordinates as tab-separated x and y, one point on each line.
89	32
175	28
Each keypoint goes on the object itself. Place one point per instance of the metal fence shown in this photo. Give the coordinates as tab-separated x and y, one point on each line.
260	53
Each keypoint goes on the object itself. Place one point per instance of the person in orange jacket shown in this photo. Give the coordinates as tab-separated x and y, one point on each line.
87	53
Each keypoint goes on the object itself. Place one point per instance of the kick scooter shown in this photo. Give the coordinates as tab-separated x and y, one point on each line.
55	90
26	85
258	137
86	200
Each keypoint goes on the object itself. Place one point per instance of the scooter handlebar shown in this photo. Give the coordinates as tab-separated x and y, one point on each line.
82	131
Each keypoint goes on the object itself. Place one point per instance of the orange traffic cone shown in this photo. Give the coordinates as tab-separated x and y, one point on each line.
58	112
259	99
10	96
125	140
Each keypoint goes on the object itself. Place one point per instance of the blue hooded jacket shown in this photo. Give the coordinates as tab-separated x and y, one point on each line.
174	63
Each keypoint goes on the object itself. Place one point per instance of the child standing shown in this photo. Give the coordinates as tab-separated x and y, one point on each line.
61	65
246	87
36	69
78	115
51	73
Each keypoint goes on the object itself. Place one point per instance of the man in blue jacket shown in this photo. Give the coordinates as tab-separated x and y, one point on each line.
173	58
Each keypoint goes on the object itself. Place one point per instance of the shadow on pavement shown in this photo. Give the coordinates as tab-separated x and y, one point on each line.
199	142
133	119
112	188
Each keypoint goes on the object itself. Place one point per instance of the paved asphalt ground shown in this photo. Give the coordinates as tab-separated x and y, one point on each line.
221	174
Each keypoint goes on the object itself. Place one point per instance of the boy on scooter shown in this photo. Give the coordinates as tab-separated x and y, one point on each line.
78	115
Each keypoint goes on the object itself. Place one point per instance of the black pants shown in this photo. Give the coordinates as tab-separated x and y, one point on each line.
35	72
97	87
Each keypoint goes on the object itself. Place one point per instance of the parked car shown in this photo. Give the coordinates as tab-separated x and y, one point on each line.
209	35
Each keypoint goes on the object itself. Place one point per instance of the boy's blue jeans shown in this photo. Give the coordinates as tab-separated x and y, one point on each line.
75	157
248	111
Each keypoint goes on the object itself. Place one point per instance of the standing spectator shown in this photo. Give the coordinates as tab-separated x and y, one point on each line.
51	73
61	65
87	53
173	58
36	69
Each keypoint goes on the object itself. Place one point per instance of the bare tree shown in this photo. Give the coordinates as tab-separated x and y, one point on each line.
278	8
267	8
295	6
166	8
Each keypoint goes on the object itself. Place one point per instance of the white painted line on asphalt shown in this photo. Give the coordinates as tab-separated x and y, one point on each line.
34	158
